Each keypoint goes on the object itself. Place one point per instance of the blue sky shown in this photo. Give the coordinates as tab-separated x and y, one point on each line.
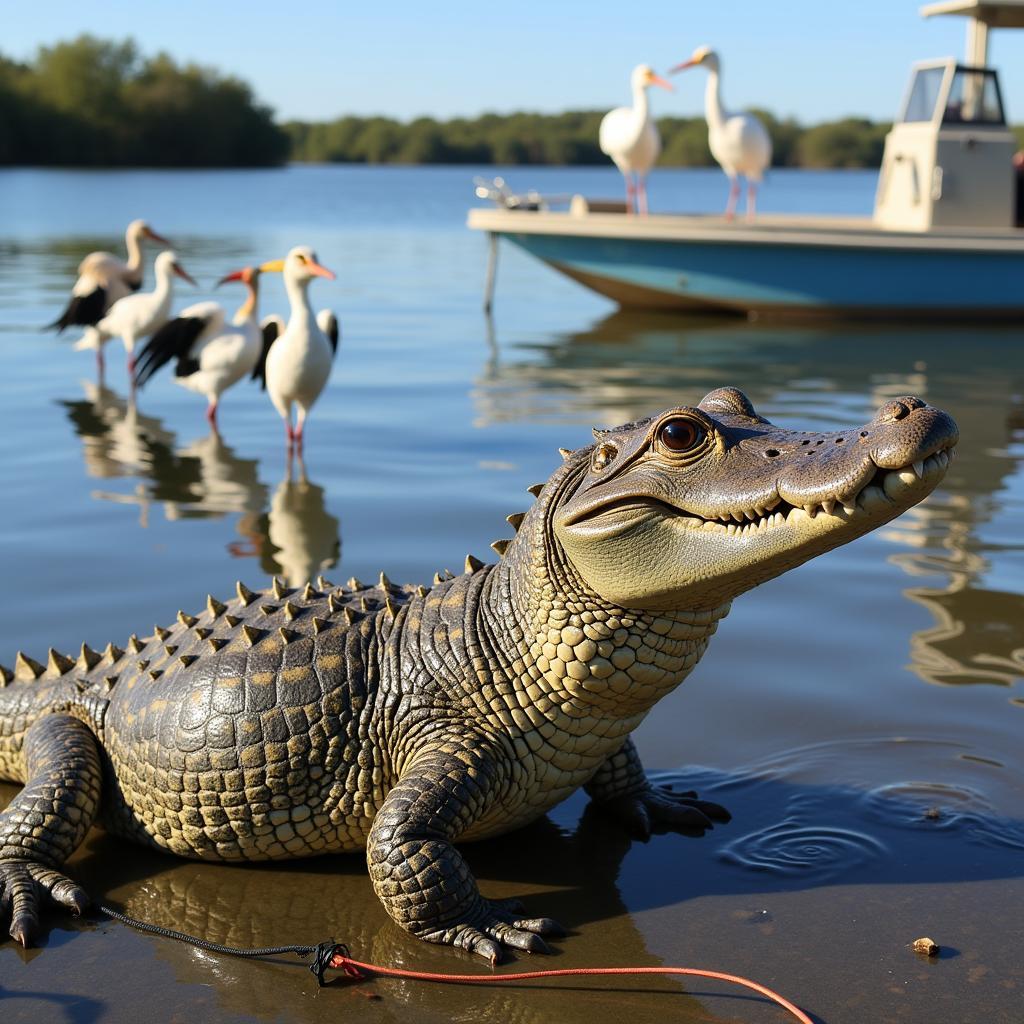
313	59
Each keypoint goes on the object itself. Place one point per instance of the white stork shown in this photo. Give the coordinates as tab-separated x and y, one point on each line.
103	279
137	316
739	142
211	355
630	138
296	364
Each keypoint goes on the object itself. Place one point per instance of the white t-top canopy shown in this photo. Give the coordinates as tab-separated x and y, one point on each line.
984	14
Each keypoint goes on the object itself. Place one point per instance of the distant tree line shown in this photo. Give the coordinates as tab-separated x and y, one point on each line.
569	138
93	102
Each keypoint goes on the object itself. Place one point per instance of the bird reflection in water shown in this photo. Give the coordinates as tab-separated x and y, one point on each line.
205	479
302	538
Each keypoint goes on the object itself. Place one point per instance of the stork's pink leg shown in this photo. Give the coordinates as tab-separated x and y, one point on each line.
734	198
641	193
751	199
630	193
101	364
211	414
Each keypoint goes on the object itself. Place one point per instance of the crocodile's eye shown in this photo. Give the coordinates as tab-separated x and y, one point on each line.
680	435
602	456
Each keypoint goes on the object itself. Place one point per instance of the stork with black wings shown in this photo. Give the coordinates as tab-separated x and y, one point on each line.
210	355
103	278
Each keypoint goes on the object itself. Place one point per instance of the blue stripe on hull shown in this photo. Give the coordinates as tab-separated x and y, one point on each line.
734	275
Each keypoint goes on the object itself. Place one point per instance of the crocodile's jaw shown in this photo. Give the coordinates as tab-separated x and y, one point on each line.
665	537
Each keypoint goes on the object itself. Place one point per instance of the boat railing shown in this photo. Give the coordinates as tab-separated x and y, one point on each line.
496	190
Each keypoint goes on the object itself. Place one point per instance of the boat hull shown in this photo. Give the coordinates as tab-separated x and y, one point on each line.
783	268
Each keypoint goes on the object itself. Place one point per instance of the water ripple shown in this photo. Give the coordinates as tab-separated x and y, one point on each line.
788	848
939	806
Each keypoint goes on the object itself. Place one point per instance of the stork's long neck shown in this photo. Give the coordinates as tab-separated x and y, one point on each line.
640	106
247	310
714	112
298	299
134	264
164	284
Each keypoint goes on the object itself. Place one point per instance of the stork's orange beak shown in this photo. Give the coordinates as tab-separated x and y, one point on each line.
246	274
273	267
182	273
682	67
315	268
150	233
658	80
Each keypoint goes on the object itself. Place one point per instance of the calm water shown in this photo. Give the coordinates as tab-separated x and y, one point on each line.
862	716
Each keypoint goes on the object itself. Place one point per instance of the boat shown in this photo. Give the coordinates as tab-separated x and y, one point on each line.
945	240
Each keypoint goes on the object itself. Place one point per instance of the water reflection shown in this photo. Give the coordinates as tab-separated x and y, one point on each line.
296	537
302	538
628	364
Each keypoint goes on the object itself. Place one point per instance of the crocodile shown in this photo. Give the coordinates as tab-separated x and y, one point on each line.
403	720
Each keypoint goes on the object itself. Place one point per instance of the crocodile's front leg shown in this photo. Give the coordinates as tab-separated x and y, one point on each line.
47	820
621	788
421	879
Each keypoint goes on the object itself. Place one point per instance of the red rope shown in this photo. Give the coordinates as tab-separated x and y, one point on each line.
357	969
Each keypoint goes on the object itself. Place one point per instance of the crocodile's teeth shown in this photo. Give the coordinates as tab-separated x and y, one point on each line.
918	468
828	506
811	510
849	507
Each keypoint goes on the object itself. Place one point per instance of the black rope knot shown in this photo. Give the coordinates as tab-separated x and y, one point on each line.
323	953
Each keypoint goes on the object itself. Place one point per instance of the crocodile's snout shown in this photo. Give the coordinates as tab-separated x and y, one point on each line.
708	501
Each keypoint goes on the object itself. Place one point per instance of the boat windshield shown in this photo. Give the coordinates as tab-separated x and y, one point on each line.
924	94
973	98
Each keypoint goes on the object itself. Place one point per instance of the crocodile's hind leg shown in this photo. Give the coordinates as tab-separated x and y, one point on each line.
421	879
46	821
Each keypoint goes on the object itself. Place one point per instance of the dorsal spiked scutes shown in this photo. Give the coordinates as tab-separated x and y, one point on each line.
501	546
26	667
245	595
58	663
88	659
473	564
215	607
6	675
535	489
309	594
278	588
515	520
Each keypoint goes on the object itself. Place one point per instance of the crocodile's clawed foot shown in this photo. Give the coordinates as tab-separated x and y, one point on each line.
24	885
658	810
497	924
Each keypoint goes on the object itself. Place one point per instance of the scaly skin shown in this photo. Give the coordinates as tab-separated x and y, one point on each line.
399	720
